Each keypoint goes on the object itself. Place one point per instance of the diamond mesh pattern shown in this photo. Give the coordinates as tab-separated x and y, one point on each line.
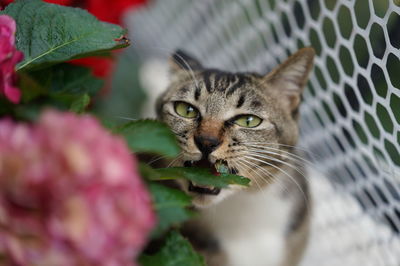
351	111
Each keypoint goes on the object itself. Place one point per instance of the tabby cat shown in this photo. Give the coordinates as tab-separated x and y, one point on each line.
247	124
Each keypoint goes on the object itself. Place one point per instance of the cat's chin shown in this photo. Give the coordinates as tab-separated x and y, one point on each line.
204	197
202	201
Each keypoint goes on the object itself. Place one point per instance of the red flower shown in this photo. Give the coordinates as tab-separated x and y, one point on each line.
9	57
60	2
101	67
105	11
110	12
3	3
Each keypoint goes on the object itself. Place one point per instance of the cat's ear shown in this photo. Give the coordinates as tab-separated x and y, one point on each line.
290	77
181	61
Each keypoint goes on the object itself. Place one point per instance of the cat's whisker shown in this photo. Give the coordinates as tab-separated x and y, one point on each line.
271	178
255	180
306	151
157	158
246	167
251	157
265	155
257	167
283	171
290	165
127	118
268	181
175	160
175	132
288	154
270	143
268	151
187	68
275	155
250	169
240	165
250	165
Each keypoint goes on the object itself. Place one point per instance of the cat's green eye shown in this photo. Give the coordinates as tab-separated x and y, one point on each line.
185	110
248	121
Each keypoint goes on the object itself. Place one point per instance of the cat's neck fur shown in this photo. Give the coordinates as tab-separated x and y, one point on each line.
264	226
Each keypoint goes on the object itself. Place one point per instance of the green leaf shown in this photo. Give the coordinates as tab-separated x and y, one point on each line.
127	95
19	111
30	88
69	79
201	176
65	79
49	34
80	104
170	205
150	136
148	172
177	251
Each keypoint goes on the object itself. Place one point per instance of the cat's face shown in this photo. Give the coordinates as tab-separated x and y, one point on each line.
229	121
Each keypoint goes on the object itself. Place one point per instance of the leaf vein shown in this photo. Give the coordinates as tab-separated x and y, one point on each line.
54	49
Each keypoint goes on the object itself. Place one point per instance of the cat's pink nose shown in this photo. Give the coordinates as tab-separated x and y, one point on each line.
206	144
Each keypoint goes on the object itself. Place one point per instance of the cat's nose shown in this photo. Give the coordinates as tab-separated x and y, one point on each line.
207	144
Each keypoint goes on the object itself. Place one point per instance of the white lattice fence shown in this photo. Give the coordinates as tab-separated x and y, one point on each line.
351	110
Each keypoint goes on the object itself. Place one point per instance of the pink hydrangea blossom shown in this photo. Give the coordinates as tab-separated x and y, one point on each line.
9	57
70	194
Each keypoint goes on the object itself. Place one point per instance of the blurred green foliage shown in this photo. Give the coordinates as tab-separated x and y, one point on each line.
126	96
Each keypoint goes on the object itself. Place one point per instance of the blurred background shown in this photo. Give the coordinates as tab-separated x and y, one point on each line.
350	121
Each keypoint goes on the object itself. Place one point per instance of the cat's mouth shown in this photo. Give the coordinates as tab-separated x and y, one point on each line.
219	167
203	189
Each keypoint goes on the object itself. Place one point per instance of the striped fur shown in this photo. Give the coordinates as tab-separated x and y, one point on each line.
220	98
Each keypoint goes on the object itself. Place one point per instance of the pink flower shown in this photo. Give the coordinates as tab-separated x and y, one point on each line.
9	57
70	194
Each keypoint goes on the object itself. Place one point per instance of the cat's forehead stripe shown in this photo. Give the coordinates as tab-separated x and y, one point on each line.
241	100
255	104
183	90
219	81
197	93
215	80
240	81
207	79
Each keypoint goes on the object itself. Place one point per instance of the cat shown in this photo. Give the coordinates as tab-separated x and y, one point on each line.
248	124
